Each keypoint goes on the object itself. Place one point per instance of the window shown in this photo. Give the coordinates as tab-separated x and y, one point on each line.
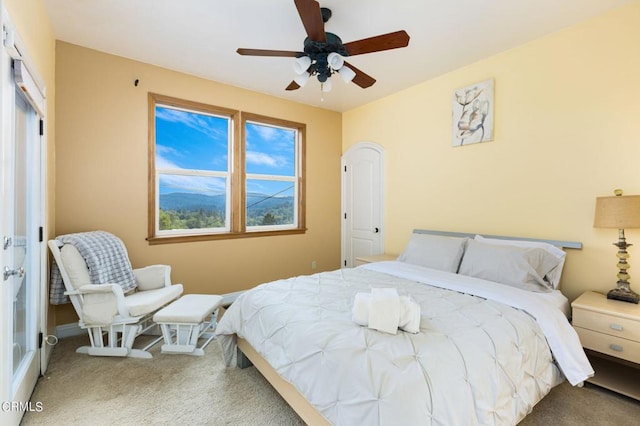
218	173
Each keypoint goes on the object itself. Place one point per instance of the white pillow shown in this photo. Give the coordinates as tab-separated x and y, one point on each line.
521	267
152	277
552	276
434	251
75	266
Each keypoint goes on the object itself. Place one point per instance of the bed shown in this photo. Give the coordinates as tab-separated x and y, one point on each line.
493	339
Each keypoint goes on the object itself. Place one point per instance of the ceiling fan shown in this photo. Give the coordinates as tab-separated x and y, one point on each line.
323	53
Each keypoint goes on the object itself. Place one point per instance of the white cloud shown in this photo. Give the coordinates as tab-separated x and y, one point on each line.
262	159
267	132
196	184
278	139
161	161
191	119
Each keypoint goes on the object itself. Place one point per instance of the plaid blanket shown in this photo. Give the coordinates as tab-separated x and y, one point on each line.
106	258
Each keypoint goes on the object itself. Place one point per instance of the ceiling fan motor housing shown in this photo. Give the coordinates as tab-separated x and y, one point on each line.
326	14
319	51
333	44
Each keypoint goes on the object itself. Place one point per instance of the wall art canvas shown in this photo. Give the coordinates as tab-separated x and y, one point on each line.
473	114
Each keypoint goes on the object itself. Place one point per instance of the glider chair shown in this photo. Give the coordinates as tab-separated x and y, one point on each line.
114	302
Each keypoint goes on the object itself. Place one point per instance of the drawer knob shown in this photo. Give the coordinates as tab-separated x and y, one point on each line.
615	347
616	327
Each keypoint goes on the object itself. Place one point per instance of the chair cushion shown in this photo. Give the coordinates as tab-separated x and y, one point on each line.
99	309
191	308
144	302
75	266
152	277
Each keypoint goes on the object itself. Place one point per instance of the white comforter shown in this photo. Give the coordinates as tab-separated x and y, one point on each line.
475	361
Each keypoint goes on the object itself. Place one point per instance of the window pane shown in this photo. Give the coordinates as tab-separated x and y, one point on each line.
198	184
192	202
191	140
270	150
270	203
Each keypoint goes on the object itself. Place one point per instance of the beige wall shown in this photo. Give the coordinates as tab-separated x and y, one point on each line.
34	28
101	179
566	130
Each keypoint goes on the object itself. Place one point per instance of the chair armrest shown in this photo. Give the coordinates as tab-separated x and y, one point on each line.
99	300
153	277
98	288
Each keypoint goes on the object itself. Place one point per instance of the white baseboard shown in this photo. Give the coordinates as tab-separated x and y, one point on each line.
69	330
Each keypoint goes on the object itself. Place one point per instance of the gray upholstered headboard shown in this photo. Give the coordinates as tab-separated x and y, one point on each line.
561	244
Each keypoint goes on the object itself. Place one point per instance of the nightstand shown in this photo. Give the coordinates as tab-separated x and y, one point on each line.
610	333
361	260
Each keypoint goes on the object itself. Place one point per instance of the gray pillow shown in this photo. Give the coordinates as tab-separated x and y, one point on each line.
434	251
521	267
552	276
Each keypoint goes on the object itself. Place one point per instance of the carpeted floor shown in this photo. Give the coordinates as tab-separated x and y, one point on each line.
186	390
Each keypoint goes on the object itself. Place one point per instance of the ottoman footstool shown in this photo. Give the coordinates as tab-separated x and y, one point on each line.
185	321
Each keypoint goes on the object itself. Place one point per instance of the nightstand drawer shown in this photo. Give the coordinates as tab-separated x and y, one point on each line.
607	324
610	345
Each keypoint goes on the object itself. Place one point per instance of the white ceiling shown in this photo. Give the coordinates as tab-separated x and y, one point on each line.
200	37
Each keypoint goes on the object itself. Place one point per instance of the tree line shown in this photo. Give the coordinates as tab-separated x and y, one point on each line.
206	218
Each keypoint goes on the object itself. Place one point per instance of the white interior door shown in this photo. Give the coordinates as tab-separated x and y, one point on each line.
362	201
21	234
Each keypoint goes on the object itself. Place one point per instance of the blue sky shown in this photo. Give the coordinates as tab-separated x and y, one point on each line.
186	140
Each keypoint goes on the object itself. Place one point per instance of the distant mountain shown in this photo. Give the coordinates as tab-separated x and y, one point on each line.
263	201
192	202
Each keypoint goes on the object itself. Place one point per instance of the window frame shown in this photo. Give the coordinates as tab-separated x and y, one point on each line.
236	207
296	179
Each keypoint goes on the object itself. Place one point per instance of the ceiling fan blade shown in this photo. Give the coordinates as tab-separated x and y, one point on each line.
266	52
378	43
362	79
293	86
311	16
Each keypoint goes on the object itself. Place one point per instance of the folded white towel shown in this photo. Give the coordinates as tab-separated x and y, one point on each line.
383	311
360	310
409	315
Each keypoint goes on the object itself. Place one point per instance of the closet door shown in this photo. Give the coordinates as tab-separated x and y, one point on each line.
362	201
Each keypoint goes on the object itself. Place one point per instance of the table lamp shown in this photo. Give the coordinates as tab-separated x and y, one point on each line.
619	212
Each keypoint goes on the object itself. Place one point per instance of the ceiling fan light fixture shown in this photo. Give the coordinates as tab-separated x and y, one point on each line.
326	85
301	64
322	76
347	74
335	60
302	79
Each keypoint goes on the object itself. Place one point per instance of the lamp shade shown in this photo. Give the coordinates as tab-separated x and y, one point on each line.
619	212
335	60
347	74
326	85
301	64
302	79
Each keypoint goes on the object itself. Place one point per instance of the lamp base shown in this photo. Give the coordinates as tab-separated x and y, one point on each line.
623	293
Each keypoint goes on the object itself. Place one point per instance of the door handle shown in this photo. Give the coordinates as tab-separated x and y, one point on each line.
376	230
10	272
